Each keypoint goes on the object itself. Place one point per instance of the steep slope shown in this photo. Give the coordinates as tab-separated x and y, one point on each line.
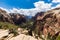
4	16
17	18
47	23
14	18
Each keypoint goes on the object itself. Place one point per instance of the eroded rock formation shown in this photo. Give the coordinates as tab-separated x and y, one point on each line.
14	18
47	22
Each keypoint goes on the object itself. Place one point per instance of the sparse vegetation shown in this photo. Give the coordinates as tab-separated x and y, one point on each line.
27	25
58	38
6	25
11	27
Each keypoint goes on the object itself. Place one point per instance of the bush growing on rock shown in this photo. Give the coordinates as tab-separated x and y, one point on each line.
11	27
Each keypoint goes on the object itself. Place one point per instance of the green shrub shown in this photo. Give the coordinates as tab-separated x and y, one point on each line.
6	25
58	38
12	28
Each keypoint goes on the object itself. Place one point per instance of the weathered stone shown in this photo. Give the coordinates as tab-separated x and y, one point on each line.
3	33
23	37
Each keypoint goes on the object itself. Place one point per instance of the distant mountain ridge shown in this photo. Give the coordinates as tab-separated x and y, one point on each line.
14	18
17	18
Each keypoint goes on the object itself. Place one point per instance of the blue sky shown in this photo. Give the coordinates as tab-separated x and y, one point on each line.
28	7
17	3
26	4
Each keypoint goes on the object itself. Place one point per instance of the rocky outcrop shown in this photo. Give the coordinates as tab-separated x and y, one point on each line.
47	22
17	18
4	16
3	33
14	18
23	37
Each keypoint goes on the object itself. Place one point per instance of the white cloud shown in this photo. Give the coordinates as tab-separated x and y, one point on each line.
42	5
56	1
58	5
39	6
27	12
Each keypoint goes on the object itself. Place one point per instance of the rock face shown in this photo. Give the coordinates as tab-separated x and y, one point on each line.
47	22
4	16
17	18
14	18
3	33
23	37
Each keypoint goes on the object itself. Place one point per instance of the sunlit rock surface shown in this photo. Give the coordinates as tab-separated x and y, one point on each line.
23	37
3	33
